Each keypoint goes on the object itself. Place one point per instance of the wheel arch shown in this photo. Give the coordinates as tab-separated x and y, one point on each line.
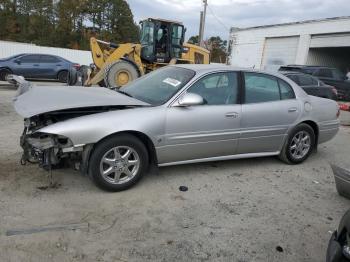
315	127
145	139
6	68
60	71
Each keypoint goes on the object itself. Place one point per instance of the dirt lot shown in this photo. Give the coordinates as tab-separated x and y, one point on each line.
233	211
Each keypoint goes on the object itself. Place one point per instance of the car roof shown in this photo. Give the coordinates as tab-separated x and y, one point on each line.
306	66
201	68
293	73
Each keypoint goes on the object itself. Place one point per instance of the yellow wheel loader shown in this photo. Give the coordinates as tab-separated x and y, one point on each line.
162	43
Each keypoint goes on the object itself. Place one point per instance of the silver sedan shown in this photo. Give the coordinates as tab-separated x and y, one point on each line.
176	115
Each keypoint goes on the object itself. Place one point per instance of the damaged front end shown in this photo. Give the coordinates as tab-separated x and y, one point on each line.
48	150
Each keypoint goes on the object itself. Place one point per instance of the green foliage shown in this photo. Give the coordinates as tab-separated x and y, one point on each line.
66	23
194	40
216	46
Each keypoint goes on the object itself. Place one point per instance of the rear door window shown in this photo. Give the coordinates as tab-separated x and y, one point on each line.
324	72
260	88
338	75
49	59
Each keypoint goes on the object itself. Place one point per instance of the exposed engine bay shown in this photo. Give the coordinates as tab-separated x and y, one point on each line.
45	106
51	151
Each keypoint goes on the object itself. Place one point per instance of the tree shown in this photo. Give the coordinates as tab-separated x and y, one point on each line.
194	40
217	48
66	23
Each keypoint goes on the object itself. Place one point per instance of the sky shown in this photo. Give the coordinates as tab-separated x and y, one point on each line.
224	14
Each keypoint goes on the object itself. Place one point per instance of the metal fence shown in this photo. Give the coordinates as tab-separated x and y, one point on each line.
12	48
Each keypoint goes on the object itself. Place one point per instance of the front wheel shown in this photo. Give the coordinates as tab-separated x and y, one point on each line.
118	163
4	73
299	145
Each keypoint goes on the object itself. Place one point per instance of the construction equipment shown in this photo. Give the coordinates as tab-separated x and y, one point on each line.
162	43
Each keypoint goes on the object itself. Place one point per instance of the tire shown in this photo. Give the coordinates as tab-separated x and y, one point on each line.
63	76
4	73
120	73
102	83
103	158
295	153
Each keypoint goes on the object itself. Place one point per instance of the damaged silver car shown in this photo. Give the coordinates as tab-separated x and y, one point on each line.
175	115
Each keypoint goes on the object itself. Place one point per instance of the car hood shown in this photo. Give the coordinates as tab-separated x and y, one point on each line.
43	99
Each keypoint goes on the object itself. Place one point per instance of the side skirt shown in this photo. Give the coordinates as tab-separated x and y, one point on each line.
221	158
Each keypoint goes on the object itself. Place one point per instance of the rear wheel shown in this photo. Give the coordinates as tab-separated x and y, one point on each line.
299	145
118	163
4	73
62	76
120	73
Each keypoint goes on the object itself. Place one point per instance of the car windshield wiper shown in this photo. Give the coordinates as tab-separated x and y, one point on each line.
124	93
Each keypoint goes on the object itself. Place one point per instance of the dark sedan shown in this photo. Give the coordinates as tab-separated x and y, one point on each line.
36	66
339	244
328	75
312	85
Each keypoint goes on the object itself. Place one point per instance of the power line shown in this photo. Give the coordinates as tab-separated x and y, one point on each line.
217	18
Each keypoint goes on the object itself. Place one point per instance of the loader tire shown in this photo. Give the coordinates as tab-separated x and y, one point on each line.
120	73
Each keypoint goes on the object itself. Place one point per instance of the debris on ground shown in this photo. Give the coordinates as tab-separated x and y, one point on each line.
279	249
33	230
183	188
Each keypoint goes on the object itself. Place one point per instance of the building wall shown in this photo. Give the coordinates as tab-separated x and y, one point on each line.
12	48
248	44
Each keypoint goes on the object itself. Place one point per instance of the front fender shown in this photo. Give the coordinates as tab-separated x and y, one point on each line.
92	128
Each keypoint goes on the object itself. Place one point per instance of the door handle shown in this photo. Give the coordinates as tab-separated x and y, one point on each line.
35	64
232	114
292	109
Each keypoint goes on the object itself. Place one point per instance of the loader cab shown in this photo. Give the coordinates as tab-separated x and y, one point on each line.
161	40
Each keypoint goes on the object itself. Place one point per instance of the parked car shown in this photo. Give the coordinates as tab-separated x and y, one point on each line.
175	115
36	66
330	76
339	245
312	85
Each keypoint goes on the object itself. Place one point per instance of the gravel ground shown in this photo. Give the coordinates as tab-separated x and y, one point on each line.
233	211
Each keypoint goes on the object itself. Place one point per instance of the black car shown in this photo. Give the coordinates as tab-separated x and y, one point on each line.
339	245
312	85
37	66
330	76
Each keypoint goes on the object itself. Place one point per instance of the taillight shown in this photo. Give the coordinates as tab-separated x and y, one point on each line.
76	66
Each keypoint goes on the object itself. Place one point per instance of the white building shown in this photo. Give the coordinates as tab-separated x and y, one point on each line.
315	42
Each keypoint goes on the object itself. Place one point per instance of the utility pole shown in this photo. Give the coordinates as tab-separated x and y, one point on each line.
202	23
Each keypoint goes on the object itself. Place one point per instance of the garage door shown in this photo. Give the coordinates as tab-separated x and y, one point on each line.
279	51
330	40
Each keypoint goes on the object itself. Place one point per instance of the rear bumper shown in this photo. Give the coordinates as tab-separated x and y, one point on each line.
328	131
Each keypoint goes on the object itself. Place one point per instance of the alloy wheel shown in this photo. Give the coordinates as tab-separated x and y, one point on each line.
119	165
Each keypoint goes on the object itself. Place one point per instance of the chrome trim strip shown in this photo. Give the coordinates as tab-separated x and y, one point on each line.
220	158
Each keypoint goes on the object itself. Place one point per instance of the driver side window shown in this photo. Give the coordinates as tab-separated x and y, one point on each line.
217	89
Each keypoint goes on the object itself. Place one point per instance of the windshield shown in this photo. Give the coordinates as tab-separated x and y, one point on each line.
159	86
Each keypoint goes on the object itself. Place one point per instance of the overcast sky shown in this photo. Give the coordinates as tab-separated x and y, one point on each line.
237	13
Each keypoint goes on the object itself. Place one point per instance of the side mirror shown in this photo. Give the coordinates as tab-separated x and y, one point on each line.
17	61
190	99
